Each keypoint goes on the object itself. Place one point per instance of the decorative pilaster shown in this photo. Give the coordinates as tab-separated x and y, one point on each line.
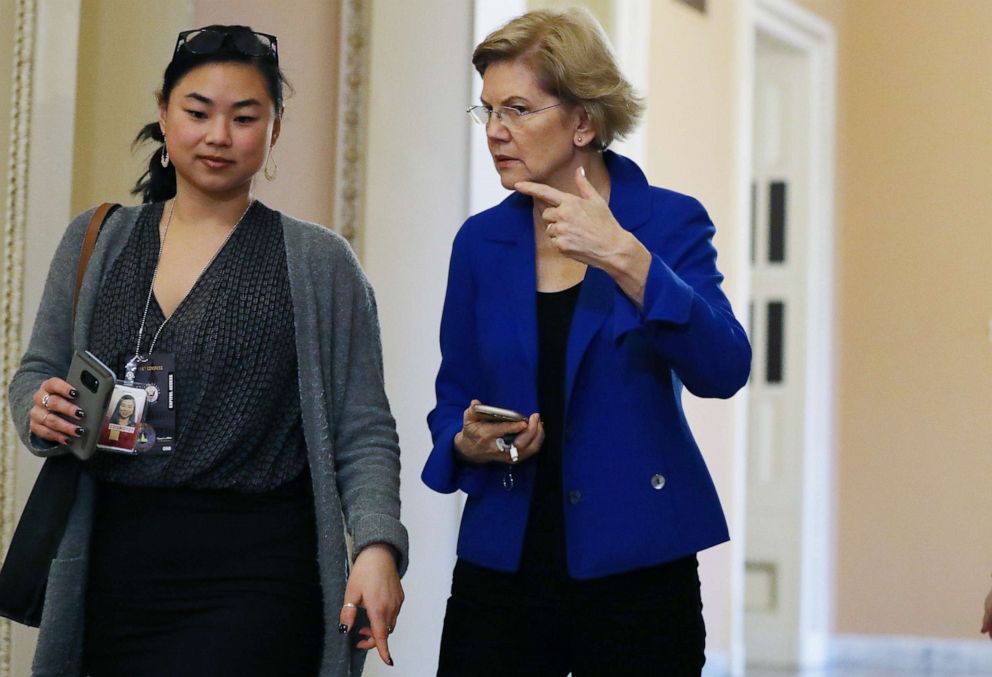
14	228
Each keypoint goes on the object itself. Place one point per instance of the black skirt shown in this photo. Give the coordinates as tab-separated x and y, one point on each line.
203	583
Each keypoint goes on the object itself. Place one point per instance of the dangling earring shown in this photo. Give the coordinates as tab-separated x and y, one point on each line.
165	154
273	171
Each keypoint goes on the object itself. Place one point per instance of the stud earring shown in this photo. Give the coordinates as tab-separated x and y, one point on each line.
578	140
273	171
165	154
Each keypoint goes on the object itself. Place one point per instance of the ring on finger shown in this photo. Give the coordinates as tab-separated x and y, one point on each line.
44	400
45	417
349	605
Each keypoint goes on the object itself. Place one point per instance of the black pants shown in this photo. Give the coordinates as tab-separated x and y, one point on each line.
645	622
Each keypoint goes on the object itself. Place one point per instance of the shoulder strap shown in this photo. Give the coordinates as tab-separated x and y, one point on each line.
99	217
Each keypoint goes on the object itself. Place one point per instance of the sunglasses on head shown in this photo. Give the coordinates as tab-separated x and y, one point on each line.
209	40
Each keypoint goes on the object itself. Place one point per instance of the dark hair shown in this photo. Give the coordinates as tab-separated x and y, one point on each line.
117	410
159	183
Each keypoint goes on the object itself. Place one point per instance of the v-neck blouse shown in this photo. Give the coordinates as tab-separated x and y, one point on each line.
238	421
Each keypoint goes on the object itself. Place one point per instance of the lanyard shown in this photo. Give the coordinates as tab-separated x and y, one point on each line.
132	365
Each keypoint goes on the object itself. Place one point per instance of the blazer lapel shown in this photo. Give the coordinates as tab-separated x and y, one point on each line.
630	202
516	265
593	307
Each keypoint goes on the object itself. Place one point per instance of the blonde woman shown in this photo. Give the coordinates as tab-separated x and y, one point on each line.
585	301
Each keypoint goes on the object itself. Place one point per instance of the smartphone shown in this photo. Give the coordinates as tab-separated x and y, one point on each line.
94	382
498	415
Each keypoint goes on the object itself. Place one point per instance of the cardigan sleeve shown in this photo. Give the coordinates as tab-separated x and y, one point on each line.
687	316
49	352
457	379
366	446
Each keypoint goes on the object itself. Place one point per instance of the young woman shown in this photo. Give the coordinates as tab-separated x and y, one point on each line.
227	554
585	300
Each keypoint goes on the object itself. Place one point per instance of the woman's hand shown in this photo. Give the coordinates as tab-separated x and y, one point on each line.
476	441
55	397
583	228
373	584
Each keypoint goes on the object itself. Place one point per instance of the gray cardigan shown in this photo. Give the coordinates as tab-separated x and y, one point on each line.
351	439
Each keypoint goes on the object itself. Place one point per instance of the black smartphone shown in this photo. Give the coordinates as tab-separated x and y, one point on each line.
361	621
497	414
94	383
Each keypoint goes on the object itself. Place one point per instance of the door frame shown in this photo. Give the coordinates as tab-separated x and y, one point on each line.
787	22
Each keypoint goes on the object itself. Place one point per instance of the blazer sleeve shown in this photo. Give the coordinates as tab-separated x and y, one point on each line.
49	352
457	380
685	313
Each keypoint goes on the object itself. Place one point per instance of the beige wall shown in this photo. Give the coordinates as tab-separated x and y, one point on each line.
915	292
914	303
691	128
115	95
914	543
308	53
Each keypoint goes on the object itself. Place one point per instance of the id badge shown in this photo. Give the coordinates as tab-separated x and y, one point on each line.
158	428
123	418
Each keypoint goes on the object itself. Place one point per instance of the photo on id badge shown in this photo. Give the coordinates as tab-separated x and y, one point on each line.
119	431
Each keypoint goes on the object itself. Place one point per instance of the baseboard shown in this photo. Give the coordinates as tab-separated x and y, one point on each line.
717	664
912	654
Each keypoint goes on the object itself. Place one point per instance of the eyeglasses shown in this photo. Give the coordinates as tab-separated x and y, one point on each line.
511	116
209	40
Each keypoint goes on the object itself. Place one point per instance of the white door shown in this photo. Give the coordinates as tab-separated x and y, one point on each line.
776	423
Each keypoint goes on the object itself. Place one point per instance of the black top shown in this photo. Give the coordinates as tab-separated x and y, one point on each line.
544	543
238	420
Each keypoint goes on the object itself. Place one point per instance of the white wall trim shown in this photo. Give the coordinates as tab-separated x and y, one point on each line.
803	30
14	229
632	43
353	86
717	664
924	655
484	189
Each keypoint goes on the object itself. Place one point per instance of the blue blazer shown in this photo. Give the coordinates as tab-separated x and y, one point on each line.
636	491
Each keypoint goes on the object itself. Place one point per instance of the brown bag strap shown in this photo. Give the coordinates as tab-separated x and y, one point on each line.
89	242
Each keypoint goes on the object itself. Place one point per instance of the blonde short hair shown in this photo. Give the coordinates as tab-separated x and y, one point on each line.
572	59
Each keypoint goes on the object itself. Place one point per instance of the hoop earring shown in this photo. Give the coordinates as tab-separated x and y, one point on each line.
271	172
165	154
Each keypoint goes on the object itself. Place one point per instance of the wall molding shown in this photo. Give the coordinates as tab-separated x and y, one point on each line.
14	228
924	655
352	137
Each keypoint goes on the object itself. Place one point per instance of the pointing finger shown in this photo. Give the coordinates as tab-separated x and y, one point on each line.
586	189
550	195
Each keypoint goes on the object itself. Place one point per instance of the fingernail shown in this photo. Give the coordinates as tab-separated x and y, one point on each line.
80	413
582	170
390	662
73	392
343	629
80	431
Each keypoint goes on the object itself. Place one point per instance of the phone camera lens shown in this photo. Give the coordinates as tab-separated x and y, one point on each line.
90	381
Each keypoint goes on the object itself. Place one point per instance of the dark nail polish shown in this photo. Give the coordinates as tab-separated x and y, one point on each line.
343	629
390	661
80	431
80	413
73	392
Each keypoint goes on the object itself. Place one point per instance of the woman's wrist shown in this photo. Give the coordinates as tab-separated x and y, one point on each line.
381	549
629	266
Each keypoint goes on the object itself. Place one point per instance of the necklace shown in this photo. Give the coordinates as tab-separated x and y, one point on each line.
132	365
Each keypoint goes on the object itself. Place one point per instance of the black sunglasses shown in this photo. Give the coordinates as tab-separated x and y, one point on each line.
209	40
